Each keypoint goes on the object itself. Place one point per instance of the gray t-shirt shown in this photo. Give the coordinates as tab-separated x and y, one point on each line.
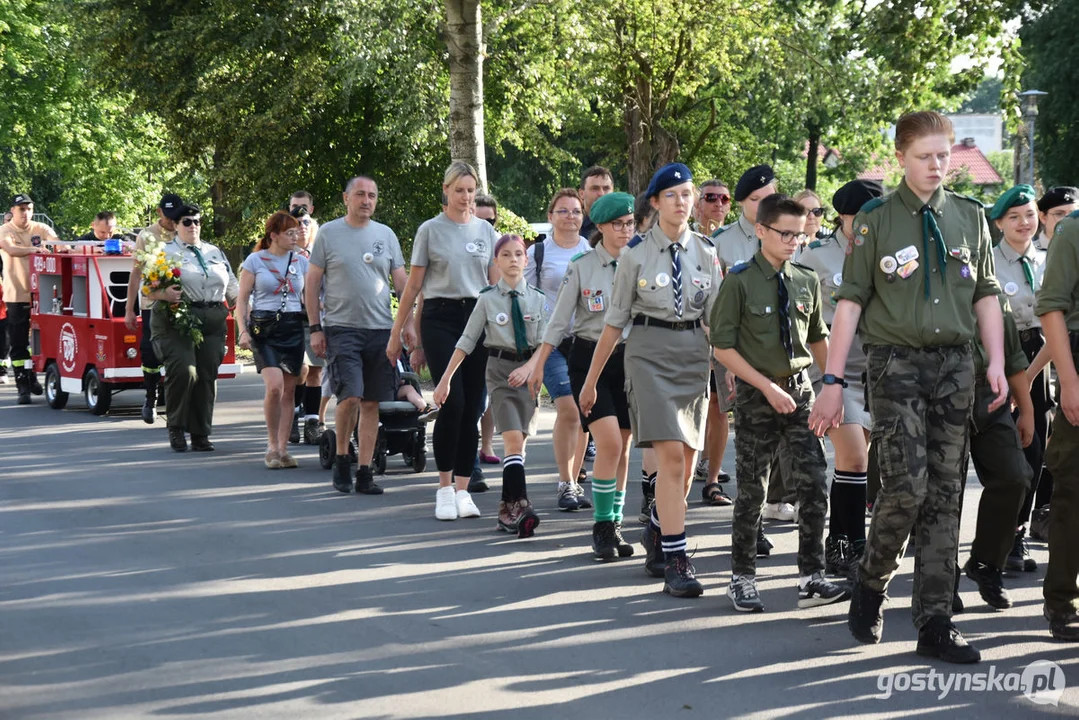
272	279
357	263
457	256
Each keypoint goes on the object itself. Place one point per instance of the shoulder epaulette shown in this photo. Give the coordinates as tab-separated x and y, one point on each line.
803	267
815	244
635	241
968	198
740	266
537	289
704	238
577	257
718	231
1073	214
489	288
872	205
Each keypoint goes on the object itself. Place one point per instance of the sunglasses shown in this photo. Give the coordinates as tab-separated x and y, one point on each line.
717	197
188	222
816	212
492	221
305	222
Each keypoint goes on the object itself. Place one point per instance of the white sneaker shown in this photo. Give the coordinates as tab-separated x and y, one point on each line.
445	507
783	512
465	507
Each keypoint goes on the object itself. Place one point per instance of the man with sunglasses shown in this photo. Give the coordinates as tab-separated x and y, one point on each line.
713	205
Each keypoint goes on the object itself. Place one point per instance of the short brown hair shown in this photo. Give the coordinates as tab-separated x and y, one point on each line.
279	222
920	124
564	193
595	171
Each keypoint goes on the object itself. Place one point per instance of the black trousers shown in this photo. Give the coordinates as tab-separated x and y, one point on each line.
150	362
18	334
455	435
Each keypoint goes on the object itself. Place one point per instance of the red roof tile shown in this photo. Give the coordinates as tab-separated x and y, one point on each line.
970	158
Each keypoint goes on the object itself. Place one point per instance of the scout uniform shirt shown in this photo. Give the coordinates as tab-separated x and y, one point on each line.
1060	286
736	243
205	272
747	316
159	233
1015	360
1020	289
825	256
493	314
17	269
918	276
583	297
643	284
457	256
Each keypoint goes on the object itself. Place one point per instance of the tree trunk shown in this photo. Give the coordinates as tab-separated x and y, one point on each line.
636	121
464	43
219	197
813	156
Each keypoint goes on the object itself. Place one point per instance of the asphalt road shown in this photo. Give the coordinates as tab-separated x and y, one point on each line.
136	582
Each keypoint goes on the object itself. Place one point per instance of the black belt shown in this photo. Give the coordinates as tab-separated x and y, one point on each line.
682	325
206	304
791	381
1031	334
509	354
590	347
449	302
1073	338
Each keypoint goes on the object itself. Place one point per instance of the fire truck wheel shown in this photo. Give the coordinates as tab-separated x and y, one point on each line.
98	393
56	397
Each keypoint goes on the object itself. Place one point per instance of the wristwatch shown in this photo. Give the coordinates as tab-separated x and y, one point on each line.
829	379
317	327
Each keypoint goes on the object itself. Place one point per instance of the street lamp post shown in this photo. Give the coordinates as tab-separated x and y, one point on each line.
1030	113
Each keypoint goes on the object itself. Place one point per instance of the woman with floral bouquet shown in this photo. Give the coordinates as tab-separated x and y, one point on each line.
190	282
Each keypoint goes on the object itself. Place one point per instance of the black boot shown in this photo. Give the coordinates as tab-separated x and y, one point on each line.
365	481
149	406
342	474
177	440
623	547
679	578
939	638
22	386
1019	558
990	583
35	386
604	545
294	433
836	555
201	443
764	545
865	618
655	562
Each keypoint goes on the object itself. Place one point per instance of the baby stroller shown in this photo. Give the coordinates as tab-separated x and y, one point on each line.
400	431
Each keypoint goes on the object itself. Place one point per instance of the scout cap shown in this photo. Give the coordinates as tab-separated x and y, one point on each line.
611	207
1057	196
667	176
21	199
850	198
186	210
170	205
752	180
1018	195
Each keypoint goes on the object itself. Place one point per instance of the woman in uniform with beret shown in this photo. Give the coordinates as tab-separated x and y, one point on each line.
665	284
1054	206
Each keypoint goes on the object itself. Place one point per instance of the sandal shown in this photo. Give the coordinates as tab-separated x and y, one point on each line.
271	461
713	495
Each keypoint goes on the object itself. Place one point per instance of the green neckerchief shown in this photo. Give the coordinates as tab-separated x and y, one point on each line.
520	335
930	228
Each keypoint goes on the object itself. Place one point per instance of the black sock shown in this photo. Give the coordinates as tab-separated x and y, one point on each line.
513	479
848	504
648	484
298	395
312	398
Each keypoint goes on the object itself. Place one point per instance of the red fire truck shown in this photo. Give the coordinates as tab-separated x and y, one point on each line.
77	332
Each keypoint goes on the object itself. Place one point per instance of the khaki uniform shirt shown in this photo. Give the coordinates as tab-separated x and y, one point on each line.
825	256
1015	360
17	269
457	256
1013	281
584	297
642	282
159	233
211	280
895	310
736	243
492	315
746	316
1060	286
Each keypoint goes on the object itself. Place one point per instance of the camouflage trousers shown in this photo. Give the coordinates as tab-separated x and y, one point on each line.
762	433
920	401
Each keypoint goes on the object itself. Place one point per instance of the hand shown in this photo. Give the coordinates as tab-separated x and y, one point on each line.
587	399
1025	426
730	379
442	391
998	382
393	348
519	376
172	294
318	344
827	412
535	380
417	359
409	335
1069	403
780	400
245	340
131	321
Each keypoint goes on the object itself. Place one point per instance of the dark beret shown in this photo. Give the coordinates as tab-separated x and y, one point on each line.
850	198
1057	196
668	176
752	180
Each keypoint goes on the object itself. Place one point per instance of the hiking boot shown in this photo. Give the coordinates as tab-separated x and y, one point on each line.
743	594
567	497
342	474
836	555
655	562
1063	626
764	545
819	591
508	515
865	619
624	548
35	386
678	578
22	387
527	519
939	638
990	583
1019	559
604	544
365	482
201	443
177	441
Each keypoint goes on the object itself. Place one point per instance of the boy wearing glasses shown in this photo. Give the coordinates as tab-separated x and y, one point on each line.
767	327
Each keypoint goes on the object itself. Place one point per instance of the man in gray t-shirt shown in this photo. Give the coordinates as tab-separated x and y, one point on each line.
354	261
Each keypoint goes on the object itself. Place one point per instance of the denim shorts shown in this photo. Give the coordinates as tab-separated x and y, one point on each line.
556	376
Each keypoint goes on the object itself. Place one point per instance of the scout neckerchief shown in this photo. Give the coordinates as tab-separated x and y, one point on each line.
784	316
930	228
676	278
202	262
284	284
1028	269
520	335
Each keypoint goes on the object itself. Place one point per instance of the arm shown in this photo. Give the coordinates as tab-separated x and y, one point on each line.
312	283
828	410
408	299
991	331
16	250
418	358
1038	364
134	285
442	391
608	340
535	367
400	281
1056	339
777	397
1021	394
247	284
820	353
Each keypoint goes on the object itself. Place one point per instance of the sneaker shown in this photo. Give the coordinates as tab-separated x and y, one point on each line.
700	473
623	547
465	507
271	461
784	512
865	619
428	414
939	638
590	451
342	474
990	583
1019	559
312	431
1063	627
724	477
445	504
836	555
647	501
567	497
655	562
743	594
527	519
764	545
678	578
365	482
476	483
604	544
294	433
508	514
819	591
583	503
287	461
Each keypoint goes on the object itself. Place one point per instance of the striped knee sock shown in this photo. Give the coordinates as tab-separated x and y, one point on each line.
848	499
654	521
648	484
603	497
619	503
674	544
513	478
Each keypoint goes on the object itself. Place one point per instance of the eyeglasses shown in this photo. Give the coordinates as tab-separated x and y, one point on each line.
717	197
189	221
292	233
621	225
563	212
787	235
816	212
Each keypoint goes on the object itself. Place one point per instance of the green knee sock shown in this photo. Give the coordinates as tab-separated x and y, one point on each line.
619	502
603	497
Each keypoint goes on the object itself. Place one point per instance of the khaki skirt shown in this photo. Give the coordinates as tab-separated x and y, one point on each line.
512	408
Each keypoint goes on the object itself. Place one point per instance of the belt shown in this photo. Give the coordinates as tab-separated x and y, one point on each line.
1073	338
681	325
449	302
1031	334
590	347
206	304
791	381
509	354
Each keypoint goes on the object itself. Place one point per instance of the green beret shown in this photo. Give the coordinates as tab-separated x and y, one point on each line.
611	207
1018	195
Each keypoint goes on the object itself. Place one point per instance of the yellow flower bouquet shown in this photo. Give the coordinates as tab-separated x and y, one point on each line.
159	271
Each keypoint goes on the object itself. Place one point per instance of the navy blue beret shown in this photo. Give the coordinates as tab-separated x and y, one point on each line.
668	176
752	180
850	198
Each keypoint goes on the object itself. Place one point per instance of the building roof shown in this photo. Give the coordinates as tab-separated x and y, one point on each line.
965	155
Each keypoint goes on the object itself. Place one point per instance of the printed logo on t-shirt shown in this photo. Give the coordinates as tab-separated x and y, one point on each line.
377	247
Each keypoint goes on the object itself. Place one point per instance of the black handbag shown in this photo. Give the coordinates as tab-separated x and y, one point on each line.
262	323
